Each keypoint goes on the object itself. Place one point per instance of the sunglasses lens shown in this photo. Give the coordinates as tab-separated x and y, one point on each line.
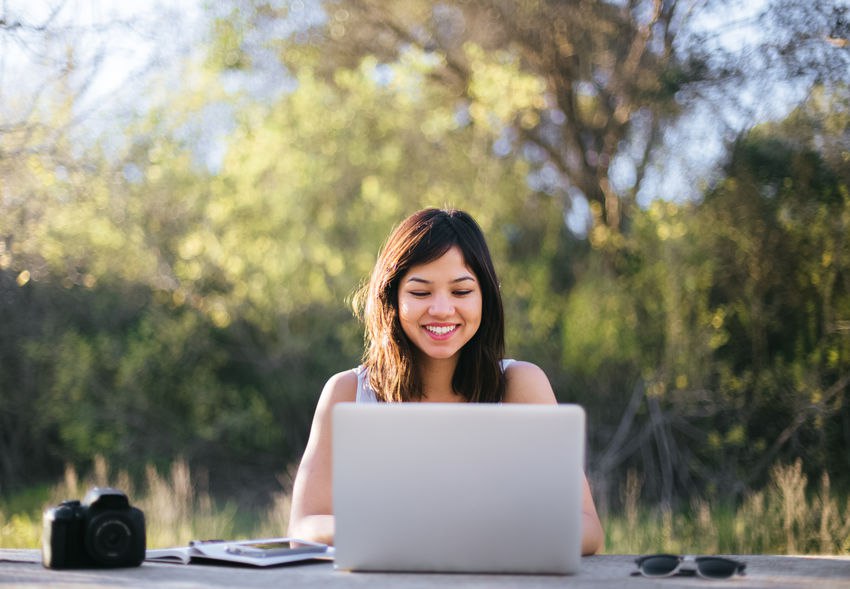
659	566
716	568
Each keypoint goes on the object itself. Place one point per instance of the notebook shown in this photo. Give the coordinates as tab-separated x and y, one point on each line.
458	487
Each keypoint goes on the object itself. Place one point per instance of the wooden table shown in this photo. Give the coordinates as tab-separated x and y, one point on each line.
22	568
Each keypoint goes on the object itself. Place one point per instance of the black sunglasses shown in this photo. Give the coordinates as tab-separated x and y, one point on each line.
708	567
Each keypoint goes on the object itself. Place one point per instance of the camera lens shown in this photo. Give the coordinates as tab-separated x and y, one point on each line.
108	539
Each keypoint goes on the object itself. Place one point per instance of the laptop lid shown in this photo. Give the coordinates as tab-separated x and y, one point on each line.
458	487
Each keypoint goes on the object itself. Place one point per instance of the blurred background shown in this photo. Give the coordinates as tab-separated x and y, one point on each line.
191	191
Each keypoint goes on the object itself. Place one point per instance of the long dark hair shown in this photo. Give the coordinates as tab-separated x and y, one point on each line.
389	356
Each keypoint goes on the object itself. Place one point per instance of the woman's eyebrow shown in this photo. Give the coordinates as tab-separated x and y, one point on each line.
456	280
464	277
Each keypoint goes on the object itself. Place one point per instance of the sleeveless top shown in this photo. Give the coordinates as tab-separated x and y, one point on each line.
365	394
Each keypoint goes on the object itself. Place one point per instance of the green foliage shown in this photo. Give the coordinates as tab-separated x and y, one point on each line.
19	531
599	326
736	301
104	385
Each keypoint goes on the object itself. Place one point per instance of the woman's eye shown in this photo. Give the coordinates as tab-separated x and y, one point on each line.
419	293
462	293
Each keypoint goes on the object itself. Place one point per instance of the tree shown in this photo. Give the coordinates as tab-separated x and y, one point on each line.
740	302
585	80
593	85
781	219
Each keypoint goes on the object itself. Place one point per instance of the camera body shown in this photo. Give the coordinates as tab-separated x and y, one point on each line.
102	531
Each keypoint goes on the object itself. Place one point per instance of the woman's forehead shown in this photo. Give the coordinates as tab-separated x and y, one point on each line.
451	263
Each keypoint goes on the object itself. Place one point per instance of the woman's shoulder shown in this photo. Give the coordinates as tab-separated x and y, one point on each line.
518	367
340	388
525	382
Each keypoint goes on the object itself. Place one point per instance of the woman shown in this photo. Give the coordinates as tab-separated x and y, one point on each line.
434	333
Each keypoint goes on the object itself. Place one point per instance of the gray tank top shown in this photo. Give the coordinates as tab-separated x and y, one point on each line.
365	394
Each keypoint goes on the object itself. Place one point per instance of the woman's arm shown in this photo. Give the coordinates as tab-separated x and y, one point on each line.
527	383
311	515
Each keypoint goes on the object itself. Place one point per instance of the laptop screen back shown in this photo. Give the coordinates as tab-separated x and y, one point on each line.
458	487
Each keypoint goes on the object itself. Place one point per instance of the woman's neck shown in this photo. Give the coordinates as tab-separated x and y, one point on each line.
436	375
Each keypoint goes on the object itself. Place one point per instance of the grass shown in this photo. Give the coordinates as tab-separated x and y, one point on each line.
175	511
786	517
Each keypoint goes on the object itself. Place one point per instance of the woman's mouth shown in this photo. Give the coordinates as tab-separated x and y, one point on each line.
440	330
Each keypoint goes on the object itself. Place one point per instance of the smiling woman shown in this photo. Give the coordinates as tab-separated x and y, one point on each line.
439	306
430	287
435	333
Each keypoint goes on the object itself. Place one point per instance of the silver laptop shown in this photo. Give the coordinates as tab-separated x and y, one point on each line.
458	487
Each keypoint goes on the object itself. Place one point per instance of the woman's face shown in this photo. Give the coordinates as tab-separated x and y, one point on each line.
439	305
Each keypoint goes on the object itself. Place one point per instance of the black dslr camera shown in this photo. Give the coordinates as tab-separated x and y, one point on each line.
102	531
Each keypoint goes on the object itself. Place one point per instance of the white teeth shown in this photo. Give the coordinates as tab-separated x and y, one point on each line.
440	330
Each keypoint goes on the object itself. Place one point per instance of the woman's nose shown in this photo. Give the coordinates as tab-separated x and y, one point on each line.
441	306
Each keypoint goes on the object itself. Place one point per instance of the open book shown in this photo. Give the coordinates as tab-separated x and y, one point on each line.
261	553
